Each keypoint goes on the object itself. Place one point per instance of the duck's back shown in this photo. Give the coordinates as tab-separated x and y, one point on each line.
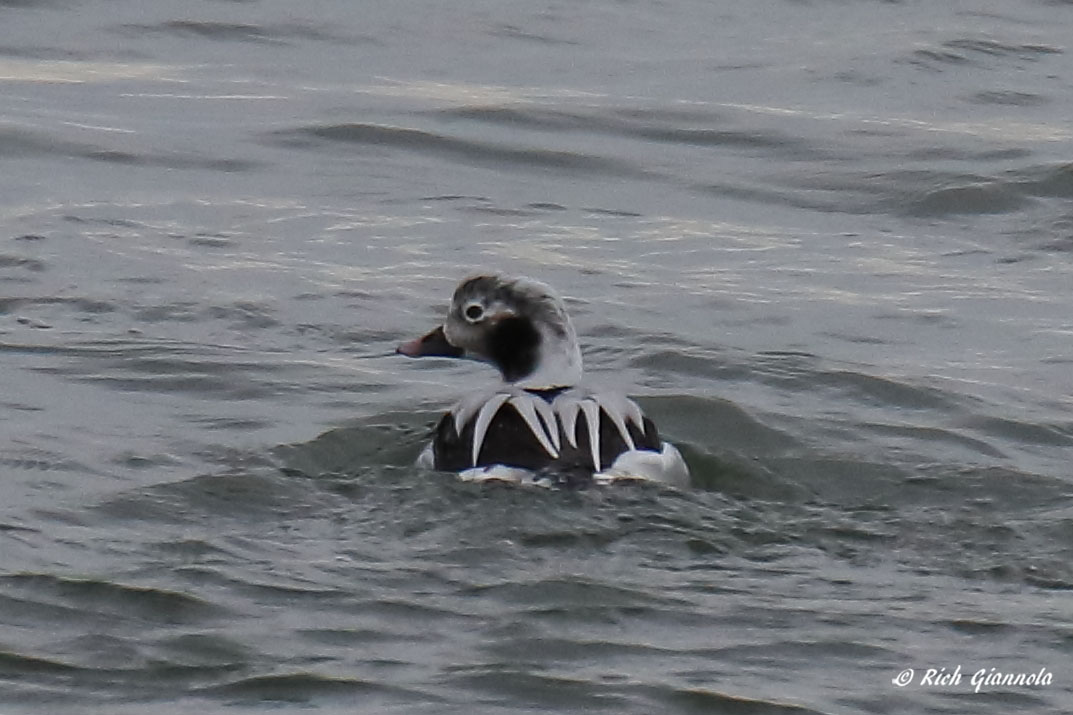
542	430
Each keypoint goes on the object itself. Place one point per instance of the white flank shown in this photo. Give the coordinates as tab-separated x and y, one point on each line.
665	467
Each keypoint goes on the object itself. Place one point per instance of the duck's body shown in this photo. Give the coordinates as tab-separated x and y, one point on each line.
538	424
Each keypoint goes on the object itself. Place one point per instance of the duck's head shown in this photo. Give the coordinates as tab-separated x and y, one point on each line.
517	324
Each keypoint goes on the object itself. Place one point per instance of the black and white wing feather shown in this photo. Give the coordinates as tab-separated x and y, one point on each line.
568	430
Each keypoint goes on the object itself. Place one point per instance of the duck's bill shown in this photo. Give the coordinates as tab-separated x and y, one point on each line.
434	344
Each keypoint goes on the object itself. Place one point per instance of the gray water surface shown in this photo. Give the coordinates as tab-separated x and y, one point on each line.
827	245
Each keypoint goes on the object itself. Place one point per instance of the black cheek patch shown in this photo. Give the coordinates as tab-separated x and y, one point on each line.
513	345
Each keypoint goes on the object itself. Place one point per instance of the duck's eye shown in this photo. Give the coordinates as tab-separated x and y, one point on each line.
474	313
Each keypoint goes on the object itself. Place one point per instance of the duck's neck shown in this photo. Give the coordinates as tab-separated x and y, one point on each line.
557	362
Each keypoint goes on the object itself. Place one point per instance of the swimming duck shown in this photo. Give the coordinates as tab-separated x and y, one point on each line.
539	424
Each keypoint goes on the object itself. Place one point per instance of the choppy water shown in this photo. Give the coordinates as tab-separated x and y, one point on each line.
827	244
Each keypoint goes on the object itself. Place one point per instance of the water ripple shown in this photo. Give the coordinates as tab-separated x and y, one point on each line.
17	142
106	598
233	32
467	150
662	127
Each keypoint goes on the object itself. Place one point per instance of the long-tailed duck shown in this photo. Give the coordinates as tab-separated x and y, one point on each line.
539	424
